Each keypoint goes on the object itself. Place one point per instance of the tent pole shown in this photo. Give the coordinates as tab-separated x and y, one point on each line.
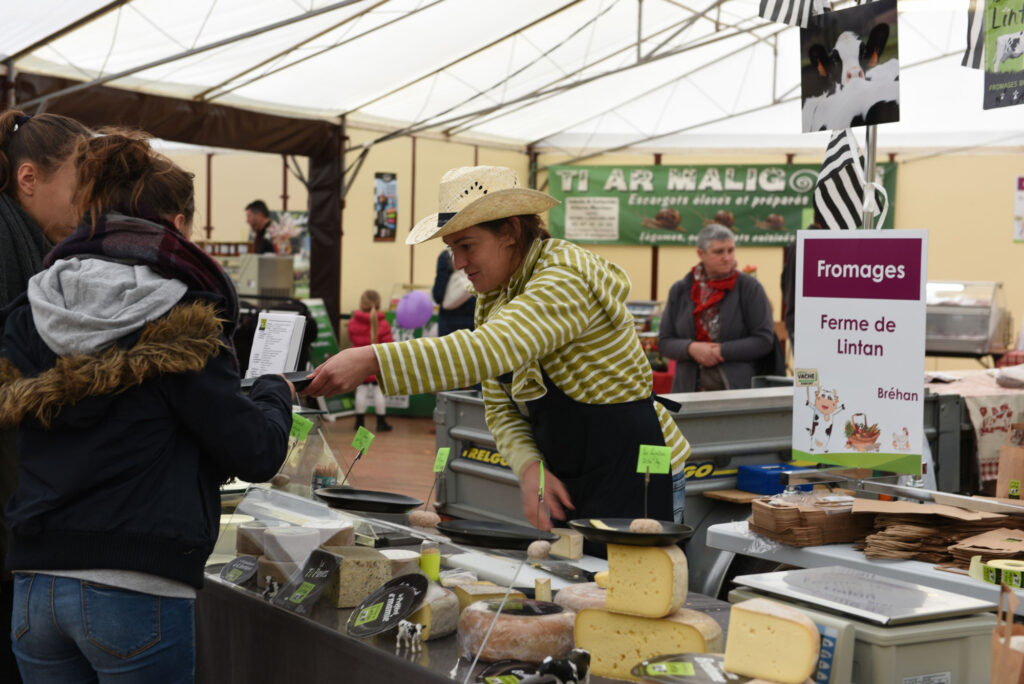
10	91
639	29
64	30
188	53
870	143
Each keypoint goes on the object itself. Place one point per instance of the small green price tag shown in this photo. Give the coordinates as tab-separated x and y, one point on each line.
369	614
362	439
540	491
1014	492
502	679
441	460
668	669
300	594
300	427
656	459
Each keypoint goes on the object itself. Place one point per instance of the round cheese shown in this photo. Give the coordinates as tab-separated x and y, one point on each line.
403	561
333	532
439	613
525	630
250	536
577	597
279	571
293	544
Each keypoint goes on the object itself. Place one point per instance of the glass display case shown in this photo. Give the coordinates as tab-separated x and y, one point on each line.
966	318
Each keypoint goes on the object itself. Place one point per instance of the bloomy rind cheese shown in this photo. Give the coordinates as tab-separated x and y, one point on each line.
516	637
569	544
618	642
577	597
439	613
646	581
361	570
471	592
771	640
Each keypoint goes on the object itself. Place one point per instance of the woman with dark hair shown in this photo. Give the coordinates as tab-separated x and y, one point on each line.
37	180
117	370
552	334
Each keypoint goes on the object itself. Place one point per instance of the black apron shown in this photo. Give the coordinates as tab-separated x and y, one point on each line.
593	450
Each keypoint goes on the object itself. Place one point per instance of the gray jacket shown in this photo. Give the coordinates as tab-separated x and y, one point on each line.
747	330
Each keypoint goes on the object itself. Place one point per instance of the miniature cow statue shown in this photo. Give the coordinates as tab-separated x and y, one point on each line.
1008	46
410	635
575	669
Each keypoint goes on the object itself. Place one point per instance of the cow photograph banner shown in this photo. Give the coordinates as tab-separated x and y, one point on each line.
763	204
1004	50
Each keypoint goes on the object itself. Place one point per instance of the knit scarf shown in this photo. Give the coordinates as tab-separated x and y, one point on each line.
22	248
706	293
152	241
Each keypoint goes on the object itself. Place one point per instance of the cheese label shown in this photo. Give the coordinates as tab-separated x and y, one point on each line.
502	679
524	607
362	439
382	610
1014	492
656	460
300	427
369	614
441	460
240	570
663	669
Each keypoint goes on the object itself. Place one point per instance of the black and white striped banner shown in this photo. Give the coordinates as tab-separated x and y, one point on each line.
974	54
839	192
793	12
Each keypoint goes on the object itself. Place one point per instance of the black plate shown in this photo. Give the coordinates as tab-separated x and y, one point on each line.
367	500
620	534
493	535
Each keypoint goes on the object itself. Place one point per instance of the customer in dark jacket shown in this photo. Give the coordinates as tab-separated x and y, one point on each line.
458	318
118	371
717	321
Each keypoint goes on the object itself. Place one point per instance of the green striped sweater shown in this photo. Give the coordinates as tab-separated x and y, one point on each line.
565	310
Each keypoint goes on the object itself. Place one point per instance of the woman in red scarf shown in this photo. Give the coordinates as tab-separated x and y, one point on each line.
717	321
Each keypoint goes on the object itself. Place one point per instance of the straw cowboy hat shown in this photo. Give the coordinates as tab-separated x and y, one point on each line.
470	195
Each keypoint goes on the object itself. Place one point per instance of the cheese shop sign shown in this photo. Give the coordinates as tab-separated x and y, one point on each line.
668	205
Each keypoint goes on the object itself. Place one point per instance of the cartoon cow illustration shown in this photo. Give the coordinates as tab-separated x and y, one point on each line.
825	406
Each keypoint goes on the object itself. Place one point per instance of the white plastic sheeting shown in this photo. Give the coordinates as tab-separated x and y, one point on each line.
564	75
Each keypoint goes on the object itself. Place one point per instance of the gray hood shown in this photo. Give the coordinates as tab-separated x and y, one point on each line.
81	306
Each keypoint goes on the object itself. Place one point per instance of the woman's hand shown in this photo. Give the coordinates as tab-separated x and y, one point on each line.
707	354
556	498
343	372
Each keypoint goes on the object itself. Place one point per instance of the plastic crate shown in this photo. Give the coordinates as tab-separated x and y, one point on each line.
764	479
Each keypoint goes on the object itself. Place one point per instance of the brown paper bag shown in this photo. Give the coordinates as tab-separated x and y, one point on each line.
1007	664
1010	484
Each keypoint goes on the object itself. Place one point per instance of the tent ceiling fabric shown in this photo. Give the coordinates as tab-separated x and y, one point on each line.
564	75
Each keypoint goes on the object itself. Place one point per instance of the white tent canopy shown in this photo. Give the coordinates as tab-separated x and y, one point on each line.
565	76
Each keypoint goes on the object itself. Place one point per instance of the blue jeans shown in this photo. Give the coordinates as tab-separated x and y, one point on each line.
70	630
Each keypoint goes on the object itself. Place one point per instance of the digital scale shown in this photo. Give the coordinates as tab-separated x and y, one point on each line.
877	629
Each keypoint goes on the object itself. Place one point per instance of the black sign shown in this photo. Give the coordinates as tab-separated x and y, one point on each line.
305	588
240	570
382	610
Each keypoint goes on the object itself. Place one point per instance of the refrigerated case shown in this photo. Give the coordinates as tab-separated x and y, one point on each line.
966	318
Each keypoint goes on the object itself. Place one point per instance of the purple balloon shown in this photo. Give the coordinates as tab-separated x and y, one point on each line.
414	310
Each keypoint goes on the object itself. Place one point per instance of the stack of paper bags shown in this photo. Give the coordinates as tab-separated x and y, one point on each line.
808	524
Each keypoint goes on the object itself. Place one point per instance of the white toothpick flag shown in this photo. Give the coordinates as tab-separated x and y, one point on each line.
793	12
975	36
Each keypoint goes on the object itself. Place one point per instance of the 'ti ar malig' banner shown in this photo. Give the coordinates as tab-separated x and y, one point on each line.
668	205
859	349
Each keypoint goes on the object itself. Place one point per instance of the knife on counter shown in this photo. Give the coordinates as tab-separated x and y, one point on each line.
566	571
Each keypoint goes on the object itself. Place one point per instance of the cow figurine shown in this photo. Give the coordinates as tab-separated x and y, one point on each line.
575	669
410	635
270	591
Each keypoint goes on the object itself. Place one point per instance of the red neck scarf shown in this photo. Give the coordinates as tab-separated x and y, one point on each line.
705	294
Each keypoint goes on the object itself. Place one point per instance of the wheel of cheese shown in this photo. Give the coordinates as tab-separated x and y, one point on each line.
279	571
403	561
525	630
333	532
577	597
250	536
292	544
439	613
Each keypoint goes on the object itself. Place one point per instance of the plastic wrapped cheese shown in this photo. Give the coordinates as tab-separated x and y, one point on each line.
439	613
250	536
618	642
771	640
333	532
403	561
279	571
292	544
647	581
525	630
577	597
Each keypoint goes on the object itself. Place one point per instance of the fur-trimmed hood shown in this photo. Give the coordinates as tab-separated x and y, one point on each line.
35	387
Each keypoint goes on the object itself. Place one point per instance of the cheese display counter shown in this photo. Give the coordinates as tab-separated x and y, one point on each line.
286	608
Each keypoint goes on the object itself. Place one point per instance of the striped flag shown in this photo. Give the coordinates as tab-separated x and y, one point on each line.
975	36
839	192
793	12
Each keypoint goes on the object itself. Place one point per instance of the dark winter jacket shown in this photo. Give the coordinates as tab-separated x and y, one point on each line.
359	332
122	451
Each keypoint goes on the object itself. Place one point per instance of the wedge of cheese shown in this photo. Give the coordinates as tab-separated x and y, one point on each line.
569	544
482	591
647	581
439	613
361	570
618	642
771	640
577	597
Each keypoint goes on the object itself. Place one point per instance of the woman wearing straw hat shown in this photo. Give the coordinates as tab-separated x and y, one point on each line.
565	381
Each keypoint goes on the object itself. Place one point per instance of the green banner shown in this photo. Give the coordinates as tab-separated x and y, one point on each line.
668	205
326	345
